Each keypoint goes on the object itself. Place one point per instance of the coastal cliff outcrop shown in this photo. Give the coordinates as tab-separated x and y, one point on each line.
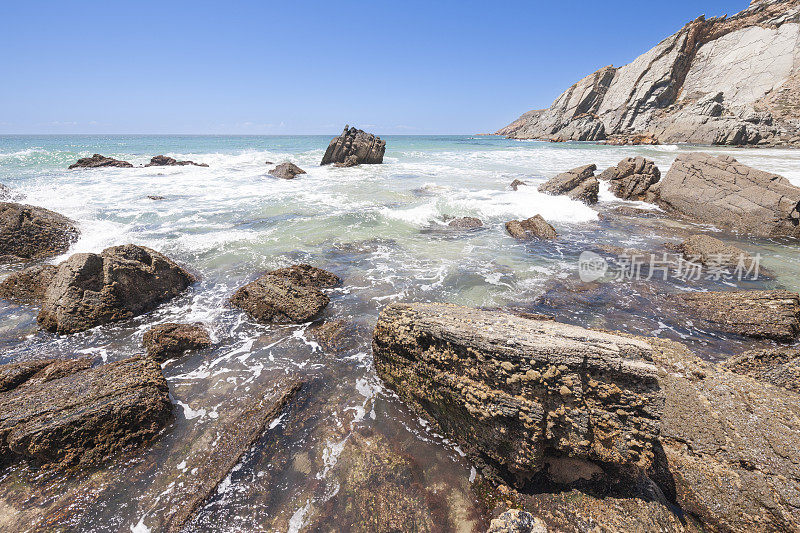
722	80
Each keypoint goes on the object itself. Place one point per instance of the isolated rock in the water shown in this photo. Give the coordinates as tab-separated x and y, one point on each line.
154	197
535	227
768	314
516	183
721	191
29	285
516	521
578	183
465	223
779	366
349	161
365	147
8	194
631	178
165	161
97	161
28	232
512	390
287	295
334	335
85	416
708	250
123	281
286	171
166	341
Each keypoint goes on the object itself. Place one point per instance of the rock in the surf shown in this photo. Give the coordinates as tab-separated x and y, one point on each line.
349	161
708	250
98	161
29	285
24	373
365	147
631	178
535	227
166	341
286	171
166	161
90	289
6	194
28	233
721	191
516	184
465	223
779	366
84	416
308	276
578	183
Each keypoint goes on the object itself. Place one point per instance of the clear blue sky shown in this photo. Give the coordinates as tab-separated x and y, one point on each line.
290	67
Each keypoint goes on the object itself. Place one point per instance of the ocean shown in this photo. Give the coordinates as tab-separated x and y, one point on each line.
383	230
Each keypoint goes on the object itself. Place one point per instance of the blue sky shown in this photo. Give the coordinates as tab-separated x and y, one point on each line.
292	67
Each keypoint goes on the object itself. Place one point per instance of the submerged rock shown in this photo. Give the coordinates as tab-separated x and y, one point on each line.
721	191
534	227
578	183
708	250
29	285
28	233
165	161
512	391
97	161
286	171
779	366
631	178
516	183
364	147
333	335
166	341
84	416
465	223
768	314
88	289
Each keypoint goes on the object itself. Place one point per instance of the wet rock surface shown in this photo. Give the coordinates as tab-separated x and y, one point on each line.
516	184
631	178
166	341
166	161
28	233
778	366
99	161
578	183
364	147
286	171
709	250
334	335
89	289
308	276
517	521
465	223
82	416
535	227
29	285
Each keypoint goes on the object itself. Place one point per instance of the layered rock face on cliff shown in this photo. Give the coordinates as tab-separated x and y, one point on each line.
723	80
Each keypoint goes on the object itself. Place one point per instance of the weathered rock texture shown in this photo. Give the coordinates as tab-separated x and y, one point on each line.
535	227
84	415
121	282
708	250
513	390
465	223
286	171
631	178
29	285
97	161
721	191
517	521
770	314
365	147
27	373
578	183
716	81
289	294
779	366
166	341
166	161
28	232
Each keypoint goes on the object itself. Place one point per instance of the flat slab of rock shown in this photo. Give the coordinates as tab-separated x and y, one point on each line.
511	390
535	227
465	223
631	178
721	191
98	161
708	250
770	314
578	183
166	161
354	146
28	233
29	285
286	171
88	289
779	366
82	417
166	341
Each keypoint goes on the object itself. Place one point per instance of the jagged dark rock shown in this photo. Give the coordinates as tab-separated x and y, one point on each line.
578	183
28	233
166	341
365	147
286	171
516	183
631	178
88	290
349	161
166	161
535	227
98	161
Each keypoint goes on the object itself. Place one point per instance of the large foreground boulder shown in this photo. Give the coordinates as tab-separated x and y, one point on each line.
98	161
84	416
513	390
166	341
721	191
535	227
631	178
166	161
578	183
365	147
121	282
28	233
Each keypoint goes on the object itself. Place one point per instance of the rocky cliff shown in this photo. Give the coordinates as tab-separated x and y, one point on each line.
723	80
